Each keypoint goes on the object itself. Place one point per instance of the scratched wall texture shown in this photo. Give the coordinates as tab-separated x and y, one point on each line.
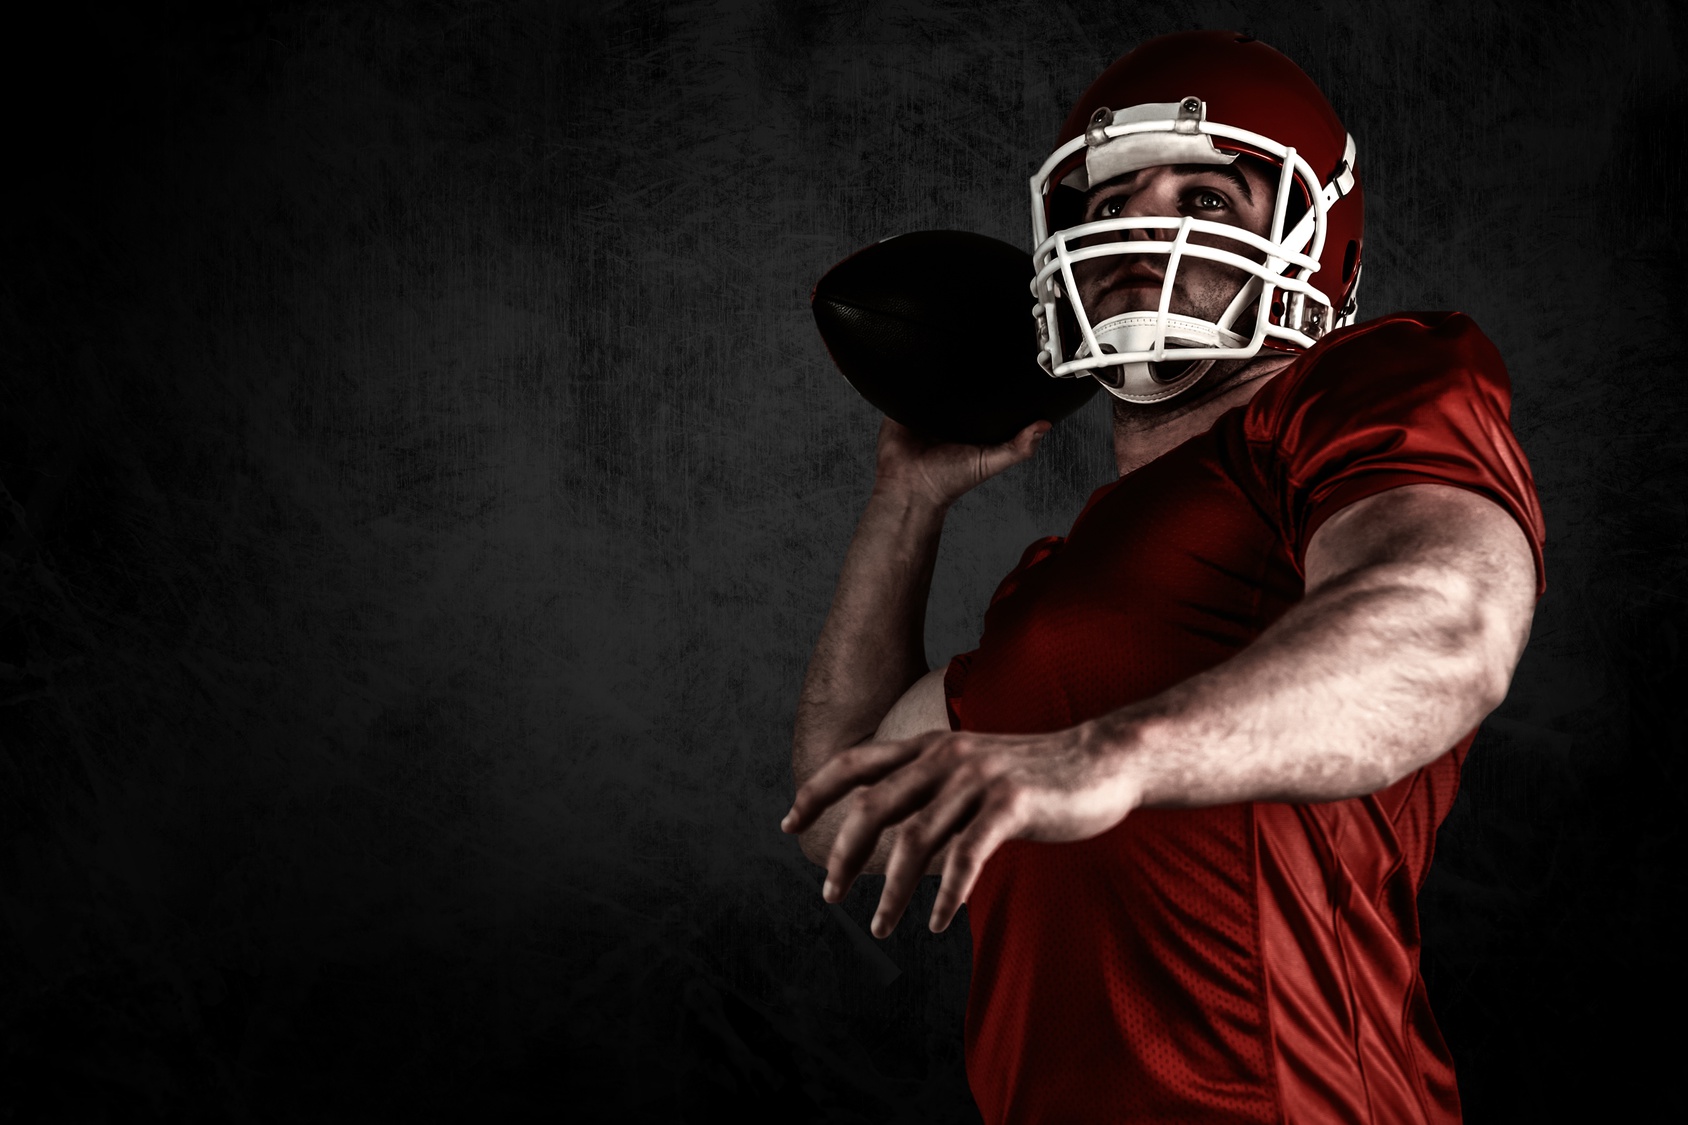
424	483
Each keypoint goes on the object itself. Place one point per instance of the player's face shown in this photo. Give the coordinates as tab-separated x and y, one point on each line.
1237	194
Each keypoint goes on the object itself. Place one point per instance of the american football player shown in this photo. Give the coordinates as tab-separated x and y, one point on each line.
1189	781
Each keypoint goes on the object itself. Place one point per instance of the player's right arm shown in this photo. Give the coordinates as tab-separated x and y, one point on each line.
868	677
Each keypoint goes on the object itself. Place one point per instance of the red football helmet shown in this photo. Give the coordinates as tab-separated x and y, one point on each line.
1203	97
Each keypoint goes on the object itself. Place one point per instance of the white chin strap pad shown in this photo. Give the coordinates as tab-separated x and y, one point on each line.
1135	335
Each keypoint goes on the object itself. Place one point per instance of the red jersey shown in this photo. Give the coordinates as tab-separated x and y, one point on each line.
1247	963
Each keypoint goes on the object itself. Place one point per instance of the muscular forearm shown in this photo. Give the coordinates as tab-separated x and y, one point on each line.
873	645
1373	676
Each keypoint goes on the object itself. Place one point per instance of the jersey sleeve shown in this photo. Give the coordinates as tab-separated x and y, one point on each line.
1416	399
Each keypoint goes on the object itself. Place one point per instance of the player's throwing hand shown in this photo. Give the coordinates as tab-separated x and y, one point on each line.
940	472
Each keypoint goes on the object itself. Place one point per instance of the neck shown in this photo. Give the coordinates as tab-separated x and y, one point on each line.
1143	433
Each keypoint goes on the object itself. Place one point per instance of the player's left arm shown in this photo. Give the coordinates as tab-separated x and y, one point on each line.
1418	603
1417	609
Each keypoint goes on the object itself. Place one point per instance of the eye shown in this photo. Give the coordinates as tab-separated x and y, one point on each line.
1206	199
1108	206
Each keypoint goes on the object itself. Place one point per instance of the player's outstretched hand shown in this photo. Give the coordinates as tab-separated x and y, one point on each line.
972	791
940	472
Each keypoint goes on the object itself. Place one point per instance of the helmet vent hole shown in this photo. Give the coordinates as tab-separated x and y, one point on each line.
1349	257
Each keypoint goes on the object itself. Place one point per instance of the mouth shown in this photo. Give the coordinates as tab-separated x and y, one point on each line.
1134	287
1123	288
1135	274
1138	273
1121	269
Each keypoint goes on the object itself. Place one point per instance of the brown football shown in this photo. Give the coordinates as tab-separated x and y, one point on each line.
934	328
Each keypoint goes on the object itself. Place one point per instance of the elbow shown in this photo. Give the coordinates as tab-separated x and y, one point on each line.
1481	636
814	841
1493	613
1493	686
1456	698
1476	684
1498	647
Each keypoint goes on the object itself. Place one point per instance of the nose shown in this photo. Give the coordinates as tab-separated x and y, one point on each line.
1150	200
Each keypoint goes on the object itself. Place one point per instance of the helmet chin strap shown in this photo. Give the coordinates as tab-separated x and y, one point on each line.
1139	332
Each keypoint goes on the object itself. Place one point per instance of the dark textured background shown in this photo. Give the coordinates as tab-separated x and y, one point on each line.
424	482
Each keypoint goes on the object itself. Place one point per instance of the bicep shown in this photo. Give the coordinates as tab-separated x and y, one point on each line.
1451	541
920	710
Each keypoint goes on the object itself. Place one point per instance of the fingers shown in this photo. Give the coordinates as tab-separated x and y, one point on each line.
860	765
966	791
994	459
1003	816
921	837
1023	444
877	808
942	472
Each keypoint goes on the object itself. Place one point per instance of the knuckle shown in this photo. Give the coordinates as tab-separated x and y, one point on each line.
1009	798
915	834
937	741
867	804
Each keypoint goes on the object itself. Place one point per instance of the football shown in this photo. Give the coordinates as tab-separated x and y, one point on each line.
934	328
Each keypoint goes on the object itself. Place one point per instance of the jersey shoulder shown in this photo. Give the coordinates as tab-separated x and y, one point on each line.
1402	361
1416	398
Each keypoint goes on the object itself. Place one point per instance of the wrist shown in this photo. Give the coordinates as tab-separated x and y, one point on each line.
909	500
1122	745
